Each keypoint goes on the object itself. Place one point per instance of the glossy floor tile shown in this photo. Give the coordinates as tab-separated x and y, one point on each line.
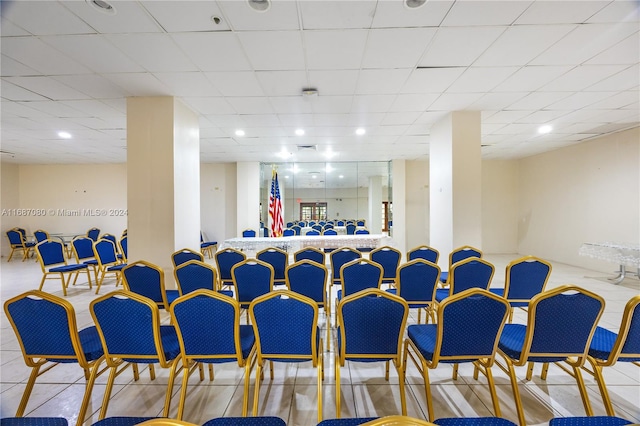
292	394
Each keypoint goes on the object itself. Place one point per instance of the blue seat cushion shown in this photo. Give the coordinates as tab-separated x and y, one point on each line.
68	268
91	345
474	421
588	421
245	421
122	421
512	340
34	421
90	262
346	422
172	295
118	267
424	337
247	340
441	294
602	343
208	244
170	345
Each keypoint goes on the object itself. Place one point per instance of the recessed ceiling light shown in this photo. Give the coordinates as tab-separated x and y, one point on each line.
102	6
545	129
329	154
259	5
341	176
360	131
239	132
414	4
286	177
299	132
64	135
314	176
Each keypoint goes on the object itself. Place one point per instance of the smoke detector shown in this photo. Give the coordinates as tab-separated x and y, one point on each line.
414	4
259	5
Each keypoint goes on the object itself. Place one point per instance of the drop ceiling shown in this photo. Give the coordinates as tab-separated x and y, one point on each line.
377	65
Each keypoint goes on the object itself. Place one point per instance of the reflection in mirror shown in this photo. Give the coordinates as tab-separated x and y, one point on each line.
331	191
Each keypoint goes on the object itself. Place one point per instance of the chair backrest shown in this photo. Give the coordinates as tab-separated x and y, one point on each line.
340	223
195	275
124	246
328	226
185	255
309	253
339	257
330	231
412	421
50	252
469	326
290	224
93	233
388	258
277	258
313	232
317	227
111	238
308	278
526	277
248	233
351	229
105	252
561	323
41	235
277	337
82	248
462	253
371	325
627	346
360	223
296	229
359	275
417	281
208	325
469	273
288	232
225	260
423	252
15	237
362	232
146	279
129	328
45	326
251	278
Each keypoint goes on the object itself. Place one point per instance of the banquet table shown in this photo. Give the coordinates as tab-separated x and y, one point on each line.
295	243
622	254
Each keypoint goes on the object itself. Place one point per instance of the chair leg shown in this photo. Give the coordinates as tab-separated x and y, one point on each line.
529	371
256	391
27	390
492	390
604	393
172	377
516	392
95	372
337	373
107	393
545	369
583	391
11	254
320	379
403	399
64	284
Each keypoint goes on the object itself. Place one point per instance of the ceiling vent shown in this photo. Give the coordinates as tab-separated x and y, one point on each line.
102	6
310	92
414	4
259	5
307	147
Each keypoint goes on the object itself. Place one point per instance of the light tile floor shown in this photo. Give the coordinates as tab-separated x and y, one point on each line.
292	393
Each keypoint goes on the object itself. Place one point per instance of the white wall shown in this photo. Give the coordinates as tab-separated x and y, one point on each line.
417	203
218	200
499	206
586	192
9	199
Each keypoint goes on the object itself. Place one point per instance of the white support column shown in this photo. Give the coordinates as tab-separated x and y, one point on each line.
248	184
399	200
374	221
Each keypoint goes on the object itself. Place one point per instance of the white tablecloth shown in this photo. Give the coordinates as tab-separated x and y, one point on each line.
295	243
621	254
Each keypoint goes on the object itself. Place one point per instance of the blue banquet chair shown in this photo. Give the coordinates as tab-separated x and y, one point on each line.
105	253
246	421
278	259
46	328
329	231
469	273
456	255
278	339
297	229
18	242
473	421
225	260
197	275
82	248
288	232
389	259
209	332
423	252
183	256
251	278
93	233
313	232
206	247
34	421
339	257
358	275
40	235
54	264
559	329
607	348
416	283
248	233
467	330
130	332
589	421
524	278
309	253
146	279
124	247
351	229
371	325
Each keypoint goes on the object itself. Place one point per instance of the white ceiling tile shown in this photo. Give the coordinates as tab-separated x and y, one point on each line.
497	101
119	104
459	46
505	117
371	103
14	68
47	87
210	106
582	77
9	29
274	50
396	47
331	104
337	14
560	12
16	93
480	79
519	45
261	120
338	82
455	101
211	132
282	15
538	100
226	120
33	53
22	109
408	102
419	129
187	83
619	100
92	108
130	17
431	80
430	117
95	52
36	17
186	16
154	52
485	13
617	11
250	105
139	84
331	119
530	78
283	83
624	80
214	51
541	117
579	100
384	81
290	105
517	128
92	85
334	50
369	119
240	83
398	118
585	42
625	52
56	109
391	14
296	120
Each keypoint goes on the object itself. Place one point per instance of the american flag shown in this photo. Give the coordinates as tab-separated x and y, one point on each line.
276	215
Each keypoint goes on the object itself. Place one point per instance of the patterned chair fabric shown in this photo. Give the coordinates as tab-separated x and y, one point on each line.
82	249
197	275
251	278
416	283
389	259
147	279
248	233
225	260
457	255
34	421
246	421
358	275
17	241
54	264
185	255
423	252
278	259
339	257
309	253
589	421
468	273
93	233
45	326
474	421
105	253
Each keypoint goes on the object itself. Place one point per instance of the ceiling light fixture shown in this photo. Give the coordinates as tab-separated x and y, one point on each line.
309	92
299	132
545	129
64	135
239	132
102	6
360	131
259	5
341	176
414	4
